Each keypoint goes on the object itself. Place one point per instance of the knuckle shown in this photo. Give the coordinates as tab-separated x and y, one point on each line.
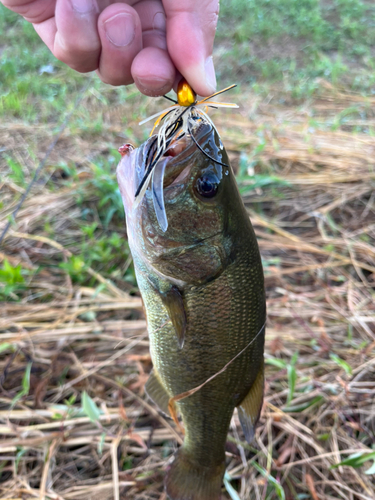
80	47
84	67
33	12
114	80
210	22
210	17
79	62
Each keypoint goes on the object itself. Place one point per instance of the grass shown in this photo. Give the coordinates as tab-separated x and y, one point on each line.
298	41
74	352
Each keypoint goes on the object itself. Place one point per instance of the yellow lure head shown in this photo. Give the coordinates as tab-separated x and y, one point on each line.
185	94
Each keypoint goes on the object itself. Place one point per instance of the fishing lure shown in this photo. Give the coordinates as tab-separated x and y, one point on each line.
175	122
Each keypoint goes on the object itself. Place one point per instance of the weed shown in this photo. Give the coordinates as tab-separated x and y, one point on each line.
11	275
277	44
25	386
16	174
101	443
11	280
5	346
248	180
231	491
291	371
89	407
76	268
273	482
108	253
300	39
357	460
20	453
343	364
107	190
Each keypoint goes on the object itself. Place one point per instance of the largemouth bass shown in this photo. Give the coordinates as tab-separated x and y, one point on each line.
202	286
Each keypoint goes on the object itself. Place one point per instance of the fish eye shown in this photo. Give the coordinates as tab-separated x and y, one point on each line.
207	185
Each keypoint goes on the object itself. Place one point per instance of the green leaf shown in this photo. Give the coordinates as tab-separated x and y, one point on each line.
357	460
294	358
25	385
343	364
231	491
277	486
90	408
20	452
258	181
292	378
11	275
279	363
17	172
26	379
101	443
371	470
324	437
4	346
304	406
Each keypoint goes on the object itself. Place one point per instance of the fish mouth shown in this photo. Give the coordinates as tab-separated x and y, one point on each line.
177	147
178	157
180	151
169	175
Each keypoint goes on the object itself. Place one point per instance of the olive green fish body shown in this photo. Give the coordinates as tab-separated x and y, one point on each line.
203	291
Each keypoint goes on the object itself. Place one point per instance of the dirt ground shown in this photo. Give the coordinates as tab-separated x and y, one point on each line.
74	419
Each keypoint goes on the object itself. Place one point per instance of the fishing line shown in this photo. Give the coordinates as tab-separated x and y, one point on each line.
170	99
204	152
186	394
43	161
183	395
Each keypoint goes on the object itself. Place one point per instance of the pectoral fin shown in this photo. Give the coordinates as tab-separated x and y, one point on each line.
157	393
173	301
250	407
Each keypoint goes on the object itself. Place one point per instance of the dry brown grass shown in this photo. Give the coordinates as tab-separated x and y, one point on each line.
316	237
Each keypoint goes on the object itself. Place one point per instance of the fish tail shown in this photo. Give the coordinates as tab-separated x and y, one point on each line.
188	480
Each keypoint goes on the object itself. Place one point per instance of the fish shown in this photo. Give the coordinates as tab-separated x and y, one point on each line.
201	280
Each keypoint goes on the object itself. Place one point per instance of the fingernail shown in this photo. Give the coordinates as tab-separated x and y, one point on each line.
159	22
153	87
83	6
210	73
120	29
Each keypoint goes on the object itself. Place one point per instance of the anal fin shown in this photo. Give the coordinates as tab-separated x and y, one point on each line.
250	407
157	393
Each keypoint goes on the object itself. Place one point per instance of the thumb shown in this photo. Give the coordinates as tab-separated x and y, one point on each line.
191	26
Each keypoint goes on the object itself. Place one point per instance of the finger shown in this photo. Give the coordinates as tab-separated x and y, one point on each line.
77	41
190	37
152	69
36	11
152	16
120	33
39	12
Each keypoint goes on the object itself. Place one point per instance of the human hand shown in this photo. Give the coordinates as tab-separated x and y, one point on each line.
145	41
